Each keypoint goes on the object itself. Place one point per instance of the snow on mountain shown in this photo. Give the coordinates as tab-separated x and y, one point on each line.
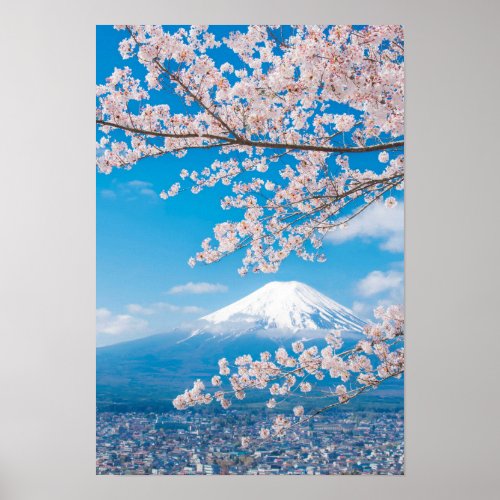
288	306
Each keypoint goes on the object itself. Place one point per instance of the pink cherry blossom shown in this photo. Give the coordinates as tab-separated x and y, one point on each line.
344	123
264	433
383	157
390	202
298	100
298	411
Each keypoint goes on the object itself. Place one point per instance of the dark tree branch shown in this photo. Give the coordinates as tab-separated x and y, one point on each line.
257	144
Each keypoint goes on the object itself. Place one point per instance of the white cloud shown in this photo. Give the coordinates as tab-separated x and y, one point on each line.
192	310
379	289
197	288
130	190
148	192
377	282
108	194
365	310
375	223
117	324
142	188
138	184
138	309
159	307
361	309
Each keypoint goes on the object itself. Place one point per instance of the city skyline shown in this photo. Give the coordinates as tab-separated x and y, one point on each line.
191	444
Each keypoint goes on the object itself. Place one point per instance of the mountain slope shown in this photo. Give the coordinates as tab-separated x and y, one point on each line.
153	370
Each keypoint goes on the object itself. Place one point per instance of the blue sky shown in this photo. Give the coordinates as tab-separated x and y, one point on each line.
143	244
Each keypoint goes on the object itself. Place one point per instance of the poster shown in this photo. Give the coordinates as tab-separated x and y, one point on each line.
250	250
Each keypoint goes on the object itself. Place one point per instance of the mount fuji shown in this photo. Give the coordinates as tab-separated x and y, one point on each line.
148	372
281	308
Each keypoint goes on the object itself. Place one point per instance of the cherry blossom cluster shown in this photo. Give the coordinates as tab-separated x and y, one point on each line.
377	357
285	117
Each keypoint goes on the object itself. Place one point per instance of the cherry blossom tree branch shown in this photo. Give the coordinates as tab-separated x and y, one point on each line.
372	361
289	99
162	134
257	144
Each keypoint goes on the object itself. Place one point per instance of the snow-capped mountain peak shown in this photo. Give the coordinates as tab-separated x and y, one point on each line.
283	305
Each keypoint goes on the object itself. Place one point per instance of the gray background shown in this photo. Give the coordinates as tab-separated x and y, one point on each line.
47	263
